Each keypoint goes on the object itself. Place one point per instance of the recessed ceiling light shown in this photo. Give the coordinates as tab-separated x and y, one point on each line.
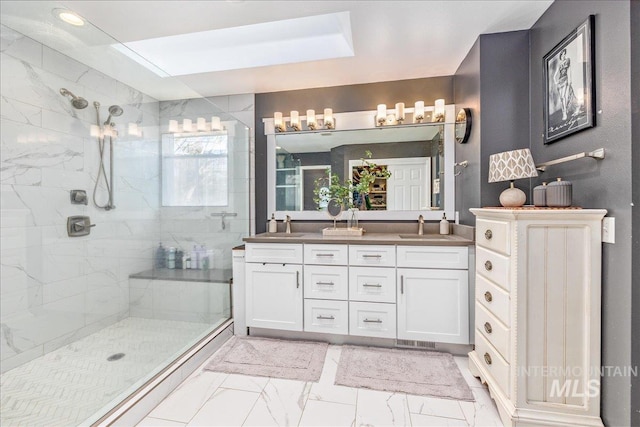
68	17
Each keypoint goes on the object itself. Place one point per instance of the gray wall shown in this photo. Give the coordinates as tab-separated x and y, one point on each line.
341	99
490	81
493	80
466	91
635	136
605	184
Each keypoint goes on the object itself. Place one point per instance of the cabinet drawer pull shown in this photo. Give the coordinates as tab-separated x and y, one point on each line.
488	297
488	234
371	256
488	328
372	321
325	283
402	284
375	285
324	255
321	317
297	279
487	358
488	266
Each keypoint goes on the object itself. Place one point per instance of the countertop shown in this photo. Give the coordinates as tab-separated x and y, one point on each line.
366	239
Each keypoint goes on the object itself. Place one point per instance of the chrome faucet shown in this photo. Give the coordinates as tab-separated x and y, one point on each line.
287	221
420	225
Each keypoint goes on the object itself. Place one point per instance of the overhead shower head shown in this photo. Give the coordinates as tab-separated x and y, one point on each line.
114	111
76	101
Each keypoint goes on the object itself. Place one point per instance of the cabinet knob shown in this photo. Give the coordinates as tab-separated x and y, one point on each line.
488	328
488	234
488	266
487	358
488	297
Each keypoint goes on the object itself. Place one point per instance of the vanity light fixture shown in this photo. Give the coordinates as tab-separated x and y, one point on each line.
438	111
295	120
418	112
400	112
201	125
381	117
313	122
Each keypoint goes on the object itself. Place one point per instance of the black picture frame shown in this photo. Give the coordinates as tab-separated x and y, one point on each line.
569	84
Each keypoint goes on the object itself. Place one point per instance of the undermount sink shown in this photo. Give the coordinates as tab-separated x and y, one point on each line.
281	234
437	237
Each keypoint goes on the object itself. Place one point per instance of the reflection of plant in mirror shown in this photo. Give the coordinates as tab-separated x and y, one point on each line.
351	193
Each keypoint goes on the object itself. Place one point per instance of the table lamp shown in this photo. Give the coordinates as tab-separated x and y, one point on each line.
509	166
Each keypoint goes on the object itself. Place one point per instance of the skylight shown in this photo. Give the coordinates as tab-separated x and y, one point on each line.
288	41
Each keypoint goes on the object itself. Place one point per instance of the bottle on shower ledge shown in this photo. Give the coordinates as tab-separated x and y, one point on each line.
195	261
160	258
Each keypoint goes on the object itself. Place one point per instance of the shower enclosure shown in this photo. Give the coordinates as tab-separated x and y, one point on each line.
85	321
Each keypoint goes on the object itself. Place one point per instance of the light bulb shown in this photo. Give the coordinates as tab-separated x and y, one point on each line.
278	123
173	126
329	122
418	112
295	120
187	125
311	119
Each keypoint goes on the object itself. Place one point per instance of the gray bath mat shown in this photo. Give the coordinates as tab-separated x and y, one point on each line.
265	357
424	373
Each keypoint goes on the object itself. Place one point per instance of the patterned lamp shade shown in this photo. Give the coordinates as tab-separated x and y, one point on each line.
511	165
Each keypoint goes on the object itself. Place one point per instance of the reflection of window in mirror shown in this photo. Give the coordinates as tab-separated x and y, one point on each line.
195	170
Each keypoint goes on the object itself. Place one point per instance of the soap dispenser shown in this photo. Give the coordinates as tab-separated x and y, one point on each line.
273	224
444	225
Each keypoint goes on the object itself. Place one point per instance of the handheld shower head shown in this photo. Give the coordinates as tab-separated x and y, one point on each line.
114	111
76	101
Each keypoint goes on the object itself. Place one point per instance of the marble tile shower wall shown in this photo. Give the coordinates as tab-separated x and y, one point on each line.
55	289
183	227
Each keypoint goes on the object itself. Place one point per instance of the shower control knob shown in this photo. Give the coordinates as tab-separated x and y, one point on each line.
79	197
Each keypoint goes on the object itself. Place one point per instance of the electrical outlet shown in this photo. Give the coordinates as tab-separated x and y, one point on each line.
608	230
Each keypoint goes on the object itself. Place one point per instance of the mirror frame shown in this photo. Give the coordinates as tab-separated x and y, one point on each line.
361	120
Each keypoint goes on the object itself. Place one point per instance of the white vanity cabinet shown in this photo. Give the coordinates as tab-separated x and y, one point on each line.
274	286
537	315
406	292
433	302
326	286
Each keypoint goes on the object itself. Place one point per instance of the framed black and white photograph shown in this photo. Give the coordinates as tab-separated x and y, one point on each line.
569	97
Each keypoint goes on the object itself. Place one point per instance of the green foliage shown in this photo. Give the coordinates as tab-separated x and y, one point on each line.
331	188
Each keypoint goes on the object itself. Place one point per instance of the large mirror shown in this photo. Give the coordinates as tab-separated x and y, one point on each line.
415	156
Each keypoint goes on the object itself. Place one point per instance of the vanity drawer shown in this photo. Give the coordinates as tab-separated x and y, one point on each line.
369	255
493	363
447	257
370	319
372	284
277	253
493	330
326	316
326	282
493	298
493	266
493	235
326	254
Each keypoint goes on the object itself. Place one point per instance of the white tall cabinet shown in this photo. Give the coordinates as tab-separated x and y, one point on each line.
537	336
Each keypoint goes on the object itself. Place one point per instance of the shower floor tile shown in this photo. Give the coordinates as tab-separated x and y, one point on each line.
70	384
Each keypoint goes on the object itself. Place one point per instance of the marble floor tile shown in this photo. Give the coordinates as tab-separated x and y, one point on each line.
463	365
382	409
225	408
245	382
435	407
333	393
318	413
483	412
330	367
418	420
280	404
184	402
158	422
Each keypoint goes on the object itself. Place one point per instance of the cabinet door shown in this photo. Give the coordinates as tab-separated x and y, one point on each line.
433	305
274	296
